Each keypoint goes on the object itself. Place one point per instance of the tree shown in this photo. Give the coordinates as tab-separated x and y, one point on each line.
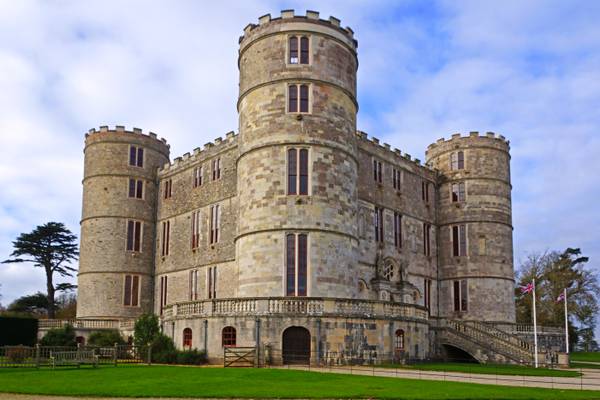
35	304
66	306
553	272
145	330
50	246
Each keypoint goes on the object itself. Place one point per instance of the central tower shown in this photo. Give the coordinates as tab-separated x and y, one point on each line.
297	168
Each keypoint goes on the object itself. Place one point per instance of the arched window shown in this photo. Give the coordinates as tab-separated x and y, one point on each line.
399	340
187	338
303	50
228	337
293	50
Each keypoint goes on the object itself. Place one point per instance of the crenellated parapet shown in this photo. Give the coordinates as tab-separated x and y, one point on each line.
385	150
120	134
473	139
266	22
199	154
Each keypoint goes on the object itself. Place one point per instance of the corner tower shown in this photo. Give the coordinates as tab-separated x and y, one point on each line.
297	168
118	222
475	227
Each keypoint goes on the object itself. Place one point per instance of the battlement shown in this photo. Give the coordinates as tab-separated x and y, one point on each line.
311	16
120	129
396	153
198	154
457	138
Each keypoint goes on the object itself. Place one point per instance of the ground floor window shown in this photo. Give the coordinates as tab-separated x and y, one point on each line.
187	338
399	340
228	336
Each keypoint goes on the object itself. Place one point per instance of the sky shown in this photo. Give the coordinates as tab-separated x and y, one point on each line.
526	69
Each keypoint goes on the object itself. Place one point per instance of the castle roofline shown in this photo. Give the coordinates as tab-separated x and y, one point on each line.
199	152
311	16
471	135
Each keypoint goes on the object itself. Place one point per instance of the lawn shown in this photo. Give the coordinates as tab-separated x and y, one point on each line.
575	364
494	369
583	356
164	381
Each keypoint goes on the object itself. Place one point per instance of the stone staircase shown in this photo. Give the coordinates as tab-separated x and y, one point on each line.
485	342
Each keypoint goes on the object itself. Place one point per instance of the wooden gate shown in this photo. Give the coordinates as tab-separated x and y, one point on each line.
296	345
239	356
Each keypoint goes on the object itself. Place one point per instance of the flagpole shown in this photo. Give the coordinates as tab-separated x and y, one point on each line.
566	321
535	343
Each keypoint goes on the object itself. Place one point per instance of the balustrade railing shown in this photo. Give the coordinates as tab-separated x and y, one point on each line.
79	323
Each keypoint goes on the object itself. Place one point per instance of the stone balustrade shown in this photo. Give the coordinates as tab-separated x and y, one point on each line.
45	324
528	328
292	306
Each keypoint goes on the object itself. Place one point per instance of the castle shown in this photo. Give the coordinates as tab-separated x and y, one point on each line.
301	233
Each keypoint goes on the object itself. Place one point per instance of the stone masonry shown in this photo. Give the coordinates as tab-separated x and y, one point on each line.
363	292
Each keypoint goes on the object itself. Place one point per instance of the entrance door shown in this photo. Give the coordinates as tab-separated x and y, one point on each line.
296	345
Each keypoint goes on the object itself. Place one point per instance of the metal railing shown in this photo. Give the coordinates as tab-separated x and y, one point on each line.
39	356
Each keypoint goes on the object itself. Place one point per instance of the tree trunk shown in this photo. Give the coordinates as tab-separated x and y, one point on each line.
50	291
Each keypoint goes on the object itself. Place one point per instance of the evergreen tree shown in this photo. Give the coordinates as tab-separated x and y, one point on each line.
50	246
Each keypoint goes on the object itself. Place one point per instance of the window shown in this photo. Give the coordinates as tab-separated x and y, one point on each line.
194	284
131	292
197	176
293	50
228	336
458	192
216	169
168	186
195	229
136	189
457	160
426	239
459	240
296	92
215	222
460	295
136	156
427	294
187	338
163	293
211	282
399	340
396	179
397	230
296	264
134	235
425	191
298	171
377	171
379	224
166	238
388	271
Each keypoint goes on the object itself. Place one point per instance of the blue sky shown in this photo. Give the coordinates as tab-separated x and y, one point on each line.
526	69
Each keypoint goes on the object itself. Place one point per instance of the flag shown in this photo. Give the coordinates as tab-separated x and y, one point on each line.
561	297
527	288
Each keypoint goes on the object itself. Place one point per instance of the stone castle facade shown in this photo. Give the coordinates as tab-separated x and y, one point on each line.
299	233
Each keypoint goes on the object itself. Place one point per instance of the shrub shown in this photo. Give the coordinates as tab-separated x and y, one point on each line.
60	337
17	354
191	357
163	350
16	330
146	330
106	338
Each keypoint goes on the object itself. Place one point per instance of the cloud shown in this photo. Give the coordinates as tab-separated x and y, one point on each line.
528	70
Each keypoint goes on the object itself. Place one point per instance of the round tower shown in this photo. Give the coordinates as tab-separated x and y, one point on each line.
117	224
297	168
475	227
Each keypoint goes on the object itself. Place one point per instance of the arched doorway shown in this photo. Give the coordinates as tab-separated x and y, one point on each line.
455	354
296	345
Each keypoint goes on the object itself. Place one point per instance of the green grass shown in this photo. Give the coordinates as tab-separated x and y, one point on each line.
164	381
583	356
497	369
575	364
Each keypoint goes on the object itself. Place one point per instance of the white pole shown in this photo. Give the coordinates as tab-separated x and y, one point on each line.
566	321
535	344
